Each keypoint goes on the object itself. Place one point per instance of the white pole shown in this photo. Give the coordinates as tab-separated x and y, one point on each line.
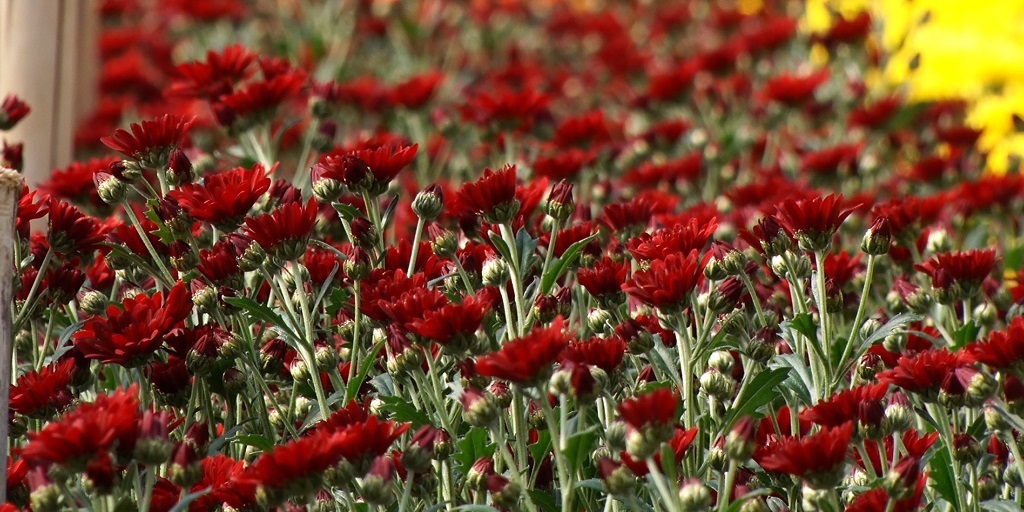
10	187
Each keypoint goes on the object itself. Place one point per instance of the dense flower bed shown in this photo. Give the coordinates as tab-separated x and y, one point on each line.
464	256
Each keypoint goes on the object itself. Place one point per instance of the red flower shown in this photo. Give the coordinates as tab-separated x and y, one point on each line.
223	199
258	102
816	458
416	91
923	373
72	232
959	274
658	408
111	421
453	326
667	283
38	393
216	76
563	165
681	238
679	443
284	233
129	336
1002	349
507	109
150	142
845	405
793	89
877	499
626	219
385	163
493	195
813	221
526	360
831	161
604	280
604	353
12	110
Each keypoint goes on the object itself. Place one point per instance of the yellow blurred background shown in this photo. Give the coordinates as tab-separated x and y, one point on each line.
943	49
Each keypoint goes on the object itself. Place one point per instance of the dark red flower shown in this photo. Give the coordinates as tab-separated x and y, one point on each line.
214	77
453	326
604	279
831	162
813	221
284	233
416	91
528	359
565	164
657	408
129	335
78	436
223	199
12	110
959	274
1002	349
12	156
668	282
493	195
817	458
385	162
257	103
71	231
681	238
877	499
40	393
604	353
924	372
844	406
794	89
149	142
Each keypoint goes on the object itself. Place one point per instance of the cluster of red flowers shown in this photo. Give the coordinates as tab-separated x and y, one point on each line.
643	255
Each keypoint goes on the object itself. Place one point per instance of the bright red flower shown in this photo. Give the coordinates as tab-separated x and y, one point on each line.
668	282
12	110
678	239
563	165
110	422
223	199
214	77
626	219
657	408
39	393
1002	349
284	232
604	280
149	142
506	108
924	372
74	183
385	163
72	232
603	353
877	499
128	336
845	405
813	221
959	274
794	89
528	359
816	458
493	195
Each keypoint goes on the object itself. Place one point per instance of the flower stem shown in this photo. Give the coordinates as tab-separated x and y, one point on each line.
858	320
415	245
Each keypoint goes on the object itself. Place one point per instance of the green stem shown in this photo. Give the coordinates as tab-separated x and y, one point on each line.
858	320
517	277
168	280
29	304
415	245
725	492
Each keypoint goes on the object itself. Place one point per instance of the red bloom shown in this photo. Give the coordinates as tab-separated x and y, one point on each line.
129	336
793	89
416	91
150	142
959	274
813	221
626	219
258	102
12	110
657	408
563	165
493	195
214	77
680	238
38	393
815	458
667	283
845	405
71	231
284	233
453	326
604	353
680	441
924	372
877	499
516	110
109	422
528	359
1002	349
385	163
604	279
223	199
831	161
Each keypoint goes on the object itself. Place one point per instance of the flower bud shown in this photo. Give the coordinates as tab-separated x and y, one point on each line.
376	487
741	443
722	361
179	168
617	478
599	320
694	496
901	480
93	302
476	478
878	239
717	385
429	203
495	272
479	409
504	493
560	203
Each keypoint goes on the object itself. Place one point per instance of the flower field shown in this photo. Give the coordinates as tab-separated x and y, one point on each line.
524	256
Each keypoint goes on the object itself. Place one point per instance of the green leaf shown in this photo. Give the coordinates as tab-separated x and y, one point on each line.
257	441
544	500
262	312
471	447
527	247
579	447
389	213
562	264
63	343
404	411
759	392
804	324
186	500
352	388
543	445
1001	505
799	380
500	246
347	211
965	335
942	477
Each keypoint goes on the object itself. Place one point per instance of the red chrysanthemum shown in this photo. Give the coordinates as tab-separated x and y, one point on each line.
110	422
845	406
604	279
223	199
680	238
71	231
528	359
416	91
257	102
958	275
794	89
668	282
38	393
149	142
284	233
452	326
493	195
385	163
813	221
1002	349
818	459
924	373
12	110
130	334
214	77
658	408
603	353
